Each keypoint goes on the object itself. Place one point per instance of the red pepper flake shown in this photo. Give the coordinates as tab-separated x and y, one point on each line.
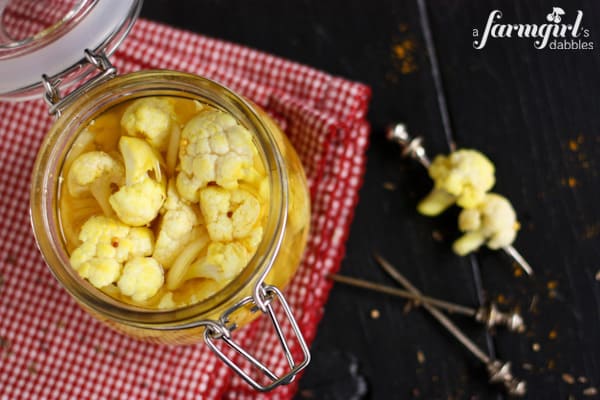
114	242
229	214
552	335
501	299
572	182
551	364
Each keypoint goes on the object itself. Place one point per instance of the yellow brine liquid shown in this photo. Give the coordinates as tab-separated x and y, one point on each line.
163	201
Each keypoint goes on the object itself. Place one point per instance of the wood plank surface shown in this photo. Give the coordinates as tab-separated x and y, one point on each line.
535	113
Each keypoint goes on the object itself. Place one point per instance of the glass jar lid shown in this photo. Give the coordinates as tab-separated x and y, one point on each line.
49	37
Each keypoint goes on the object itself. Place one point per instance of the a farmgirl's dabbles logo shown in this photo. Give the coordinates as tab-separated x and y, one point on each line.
554	34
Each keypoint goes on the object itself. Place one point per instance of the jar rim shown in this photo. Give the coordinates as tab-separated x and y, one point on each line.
45	189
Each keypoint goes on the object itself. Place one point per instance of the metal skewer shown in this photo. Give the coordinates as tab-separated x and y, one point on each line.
490	315
412	147
498	371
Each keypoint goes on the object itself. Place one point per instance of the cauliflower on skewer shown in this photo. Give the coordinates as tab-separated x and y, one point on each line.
142	278
95	172
106	245
214	148
175	230
151	118
463	177
493	222
139	201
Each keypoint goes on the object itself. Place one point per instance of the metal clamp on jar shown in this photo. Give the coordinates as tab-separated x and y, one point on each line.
49	62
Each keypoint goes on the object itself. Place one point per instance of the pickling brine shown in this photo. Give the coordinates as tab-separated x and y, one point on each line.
163	201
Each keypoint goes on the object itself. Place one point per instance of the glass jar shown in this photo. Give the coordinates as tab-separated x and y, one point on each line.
254	292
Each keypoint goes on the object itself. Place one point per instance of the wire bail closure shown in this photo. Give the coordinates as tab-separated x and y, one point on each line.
215	331
51	84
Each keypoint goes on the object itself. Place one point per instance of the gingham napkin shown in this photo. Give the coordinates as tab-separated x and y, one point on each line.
50	348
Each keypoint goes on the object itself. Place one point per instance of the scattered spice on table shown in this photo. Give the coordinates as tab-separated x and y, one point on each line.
573	145
591	231
533	304
527	366
420	357
536	347
391	186
568	378
552	335
403	53
598	275
437	235
375	314
591	391
582	379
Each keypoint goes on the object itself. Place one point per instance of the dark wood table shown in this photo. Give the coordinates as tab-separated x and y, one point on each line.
534	112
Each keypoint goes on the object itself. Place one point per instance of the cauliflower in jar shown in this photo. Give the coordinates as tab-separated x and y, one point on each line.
229	214
138	202
142	278
105	245
463	177
492	222
95	172
151	118
175	169
175	229
214	148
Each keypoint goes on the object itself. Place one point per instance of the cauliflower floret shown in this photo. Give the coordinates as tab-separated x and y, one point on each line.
229	214
214	148
223	262
106	245
462	177
175	229
140	159
138	202
142	277
95	172
150	118
493	222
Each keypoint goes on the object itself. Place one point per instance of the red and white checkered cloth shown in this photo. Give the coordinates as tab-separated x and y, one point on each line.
51	348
